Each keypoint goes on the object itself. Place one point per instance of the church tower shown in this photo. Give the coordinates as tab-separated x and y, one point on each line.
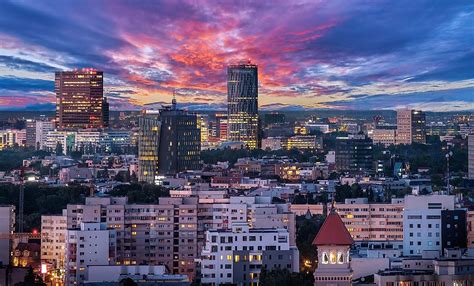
333	242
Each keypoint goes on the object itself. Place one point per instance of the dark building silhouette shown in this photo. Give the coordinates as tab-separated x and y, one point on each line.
354	154
105	112
242	104
453	229
79	97
180	141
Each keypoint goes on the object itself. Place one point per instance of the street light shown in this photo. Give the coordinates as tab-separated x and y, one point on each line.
448	155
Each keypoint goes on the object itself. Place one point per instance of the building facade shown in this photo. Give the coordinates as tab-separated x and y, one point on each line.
79	98
53	240
237	255
422	230
148	147
180	141
354	154
411	126
242	104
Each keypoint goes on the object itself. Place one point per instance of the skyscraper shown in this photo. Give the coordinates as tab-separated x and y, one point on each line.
79	98
242	104
180	141
148	147
411	126
169	142
105	112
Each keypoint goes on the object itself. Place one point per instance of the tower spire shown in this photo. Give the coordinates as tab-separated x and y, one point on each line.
173	101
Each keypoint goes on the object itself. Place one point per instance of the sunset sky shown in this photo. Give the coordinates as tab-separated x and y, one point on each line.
311	54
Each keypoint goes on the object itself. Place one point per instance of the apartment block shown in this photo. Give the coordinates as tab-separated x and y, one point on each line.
92	244
422	223
237	255
7	226
53	240
372	221
165	233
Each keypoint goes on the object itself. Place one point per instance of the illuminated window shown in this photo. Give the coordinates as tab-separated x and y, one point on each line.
325	258
340	258
332	257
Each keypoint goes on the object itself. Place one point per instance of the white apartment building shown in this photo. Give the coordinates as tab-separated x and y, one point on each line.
42	129
422	223
53	240
7	226
53	138
237	255
92	244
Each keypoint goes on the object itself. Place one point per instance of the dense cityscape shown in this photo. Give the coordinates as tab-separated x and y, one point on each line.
167	194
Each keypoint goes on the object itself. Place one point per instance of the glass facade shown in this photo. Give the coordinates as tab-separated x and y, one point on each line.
242	108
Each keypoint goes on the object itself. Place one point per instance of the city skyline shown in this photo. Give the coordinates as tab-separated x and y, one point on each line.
310	55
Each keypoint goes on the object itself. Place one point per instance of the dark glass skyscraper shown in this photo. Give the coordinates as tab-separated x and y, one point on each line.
169	142
79	96
354	154
242	104
180	141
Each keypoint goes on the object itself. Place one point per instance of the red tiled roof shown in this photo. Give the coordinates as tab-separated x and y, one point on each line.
333	232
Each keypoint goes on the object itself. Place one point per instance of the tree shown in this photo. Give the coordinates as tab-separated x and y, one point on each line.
59	149
283	277
128	282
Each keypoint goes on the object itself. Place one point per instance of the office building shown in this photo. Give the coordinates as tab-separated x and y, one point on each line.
53	240
422	231
203	125
79	98
31	133
453	229
105	112
148	147
411	126
90	244
242	104
354	154
333	243
470	156
7	226
237	255
180	141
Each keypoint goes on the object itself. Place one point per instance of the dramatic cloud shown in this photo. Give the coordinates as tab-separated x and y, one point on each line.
311	54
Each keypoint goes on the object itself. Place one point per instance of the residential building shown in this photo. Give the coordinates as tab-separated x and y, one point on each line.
384	135
237	255
354	154
242	104
422	231
470	227
373	221
42	127
454	268
7	226
90	244
162	234
53	240
12	137
79	99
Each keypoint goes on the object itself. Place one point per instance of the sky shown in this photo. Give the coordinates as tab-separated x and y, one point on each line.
310	54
